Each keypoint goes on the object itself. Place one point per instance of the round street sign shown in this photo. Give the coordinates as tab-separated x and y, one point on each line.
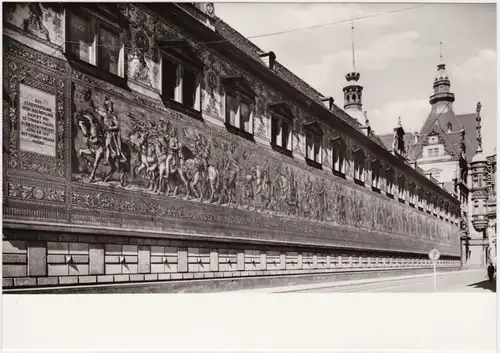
434	254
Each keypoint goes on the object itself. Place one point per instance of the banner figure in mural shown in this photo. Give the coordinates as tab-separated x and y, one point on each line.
101	137
230	170
112	130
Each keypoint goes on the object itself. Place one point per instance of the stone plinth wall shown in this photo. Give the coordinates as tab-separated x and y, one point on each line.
56	259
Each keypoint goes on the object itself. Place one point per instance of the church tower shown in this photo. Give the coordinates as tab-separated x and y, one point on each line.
353	91
442	98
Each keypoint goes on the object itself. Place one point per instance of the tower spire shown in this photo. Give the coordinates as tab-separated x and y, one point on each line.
353	51
478	128
441	52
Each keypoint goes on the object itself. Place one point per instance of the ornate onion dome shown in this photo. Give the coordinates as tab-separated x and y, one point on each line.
353	91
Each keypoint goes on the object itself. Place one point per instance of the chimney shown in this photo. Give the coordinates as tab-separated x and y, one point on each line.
268	59
328	102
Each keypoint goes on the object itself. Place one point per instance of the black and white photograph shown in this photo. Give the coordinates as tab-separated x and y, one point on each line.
244	148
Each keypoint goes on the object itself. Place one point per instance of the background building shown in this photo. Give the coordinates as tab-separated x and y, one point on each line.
150	142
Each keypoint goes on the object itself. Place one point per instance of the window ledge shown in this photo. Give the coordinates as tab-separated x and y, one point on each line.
281	149
376	189
390	195
237	131
174	105
359	182
401	200
412	204
338	173
97	72
420	208
314	164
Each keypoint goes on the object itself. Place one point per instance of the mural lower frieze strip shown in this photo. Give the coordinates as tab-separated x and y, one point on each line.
122	146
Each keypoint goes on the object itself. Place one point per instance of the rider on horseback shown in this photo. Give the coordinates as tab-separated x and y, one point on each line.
173	149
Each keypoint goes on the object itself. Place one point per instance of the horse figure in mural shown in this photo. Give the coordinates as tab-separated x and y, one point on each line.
103	139
199	171
170	164
148	159
95	135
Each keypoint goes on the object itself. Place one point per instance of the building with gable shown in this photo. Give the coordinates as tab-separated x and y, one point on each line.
153	142
444	149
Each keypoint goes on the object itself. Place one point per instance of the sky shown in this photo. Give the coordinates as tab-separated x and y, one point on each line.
396	54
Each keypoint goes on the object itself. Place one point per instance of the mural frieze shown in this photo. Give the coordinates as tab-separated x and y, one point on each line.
120	145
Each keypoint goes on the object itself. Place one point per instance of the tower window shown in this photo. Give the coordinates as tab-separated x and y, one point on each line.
354	97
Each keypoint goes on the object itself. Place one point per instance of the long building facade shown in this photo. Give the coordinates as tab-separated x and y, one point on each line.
153	142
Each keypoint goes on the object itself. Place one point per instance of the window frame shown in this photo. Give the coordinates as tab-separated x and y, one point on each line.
339	156
181	65
240	99
401	188
376	168
96	19
238	88
390	178
359	174
281	115
313	138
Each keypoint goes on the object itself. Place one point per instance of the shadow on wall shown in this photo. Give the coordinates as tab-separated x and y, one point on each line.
488	285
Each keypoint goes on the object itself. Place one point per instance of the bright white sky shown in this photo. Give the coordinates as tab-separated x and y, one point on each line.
396	54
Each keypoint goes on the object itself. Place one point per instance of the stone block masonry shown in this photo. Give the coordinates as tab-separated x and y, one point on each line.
42	259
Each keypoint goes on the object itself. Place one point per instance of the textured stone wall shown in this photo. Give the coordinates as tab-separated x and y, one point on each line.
49	259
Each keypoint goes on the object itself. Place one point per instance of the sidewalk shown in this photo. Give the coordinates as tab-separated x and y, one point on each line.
348	283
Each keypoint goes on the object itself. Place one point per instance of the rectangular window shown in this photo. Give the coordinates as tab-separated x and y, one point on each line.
232	110
95	41
245	115
338	159
401	189
281	132
433	152
313	150
317	149
189	88
239	112
375	165
169	79
179	83
359	170
109	51
80	37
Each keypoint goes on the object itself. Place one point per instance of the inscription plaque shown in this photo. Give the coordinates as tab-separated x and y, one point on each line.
37	121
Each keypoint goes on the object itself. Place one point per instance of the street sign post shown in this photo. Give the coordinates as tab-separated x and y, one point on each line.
434	255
